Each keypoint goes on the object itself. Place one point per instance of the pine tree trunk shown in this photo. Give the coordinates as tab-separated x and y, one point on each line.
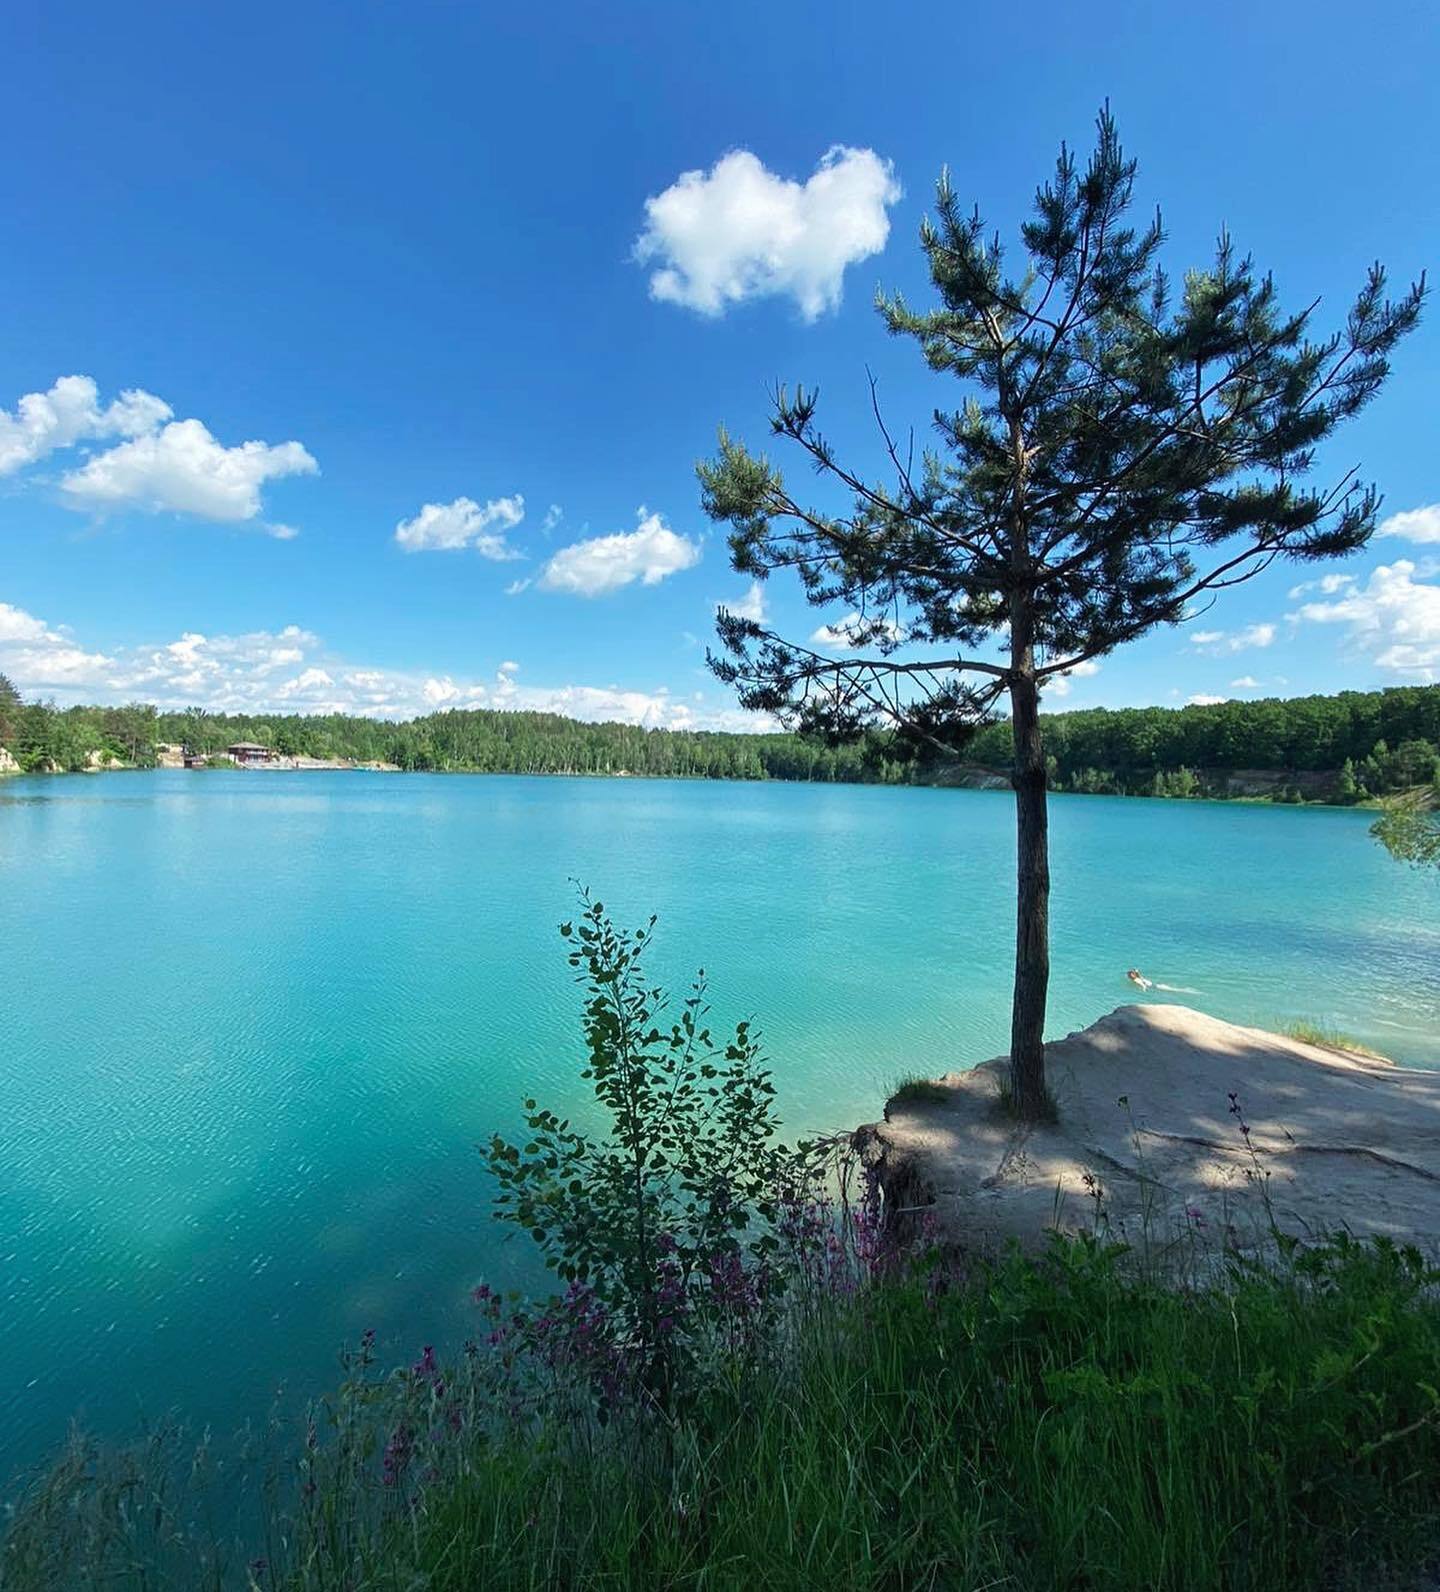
1032	921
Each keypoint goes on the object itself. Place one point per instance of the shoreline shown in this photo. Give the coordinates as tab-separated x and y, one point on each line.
985	780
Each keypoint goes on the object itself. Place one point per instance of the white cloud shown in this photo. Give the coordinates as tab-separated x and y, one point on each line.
223	672
16	625
1327	585
1393	619
1058	685
739	231
1414	525
281	533
160	465
70	413
749	606
1201	700
304	685
182	469
604	564
553	515
438	693
40	660
1246	682
1223	643
290	671
844	632
463	523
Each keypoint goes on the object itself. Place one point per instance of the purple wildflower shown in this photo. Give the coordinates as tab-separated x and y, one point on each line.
397	1455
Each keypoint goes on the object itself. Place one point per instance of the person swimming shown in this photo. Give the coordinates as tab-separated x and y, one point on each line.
1138	979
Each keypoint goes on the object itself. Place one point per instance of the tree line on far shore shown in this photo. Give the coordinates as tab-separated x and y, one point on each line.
1343	748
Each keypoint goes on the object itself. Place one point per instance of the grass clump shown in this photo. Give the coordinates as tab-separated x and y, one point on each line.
1039	1424
1051	1422
1006	1104
915	1089
1325	1038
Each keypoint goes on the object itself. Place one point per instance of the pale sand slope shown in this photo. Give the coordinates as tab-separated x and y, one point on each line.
1348	1142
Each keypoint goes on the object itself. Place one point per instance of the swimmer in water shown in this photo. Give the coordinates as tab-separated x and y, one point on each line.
1138	979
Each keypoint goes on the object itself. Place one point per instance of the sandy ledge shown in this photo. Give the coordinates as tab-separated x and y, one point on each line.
1145	1117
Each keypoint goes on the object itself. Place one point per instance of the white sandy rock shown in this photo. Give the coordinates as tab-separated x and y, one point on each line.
1149	1142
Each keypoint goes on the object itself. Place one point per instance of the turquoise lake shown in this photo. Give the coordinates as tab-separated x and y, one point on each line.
252	1025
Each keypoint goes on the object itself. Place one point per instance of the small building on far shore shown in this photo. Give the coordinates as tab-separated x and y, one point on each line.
250	754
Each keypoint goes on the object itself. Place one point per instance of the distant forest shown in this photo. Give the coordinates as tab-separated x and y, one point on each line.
1341	748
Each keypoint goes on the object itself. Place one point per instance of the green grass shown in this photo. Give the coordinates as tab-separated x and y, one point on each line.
914	1089
1043	1424
1005	1102
1309	1033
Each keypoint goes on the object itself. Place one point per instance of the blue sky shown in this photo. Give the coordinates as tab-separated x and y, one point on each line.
356	260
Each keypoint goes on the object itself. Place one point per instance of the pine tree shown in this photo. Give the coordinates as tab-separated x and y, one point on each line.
1120	453
1347	787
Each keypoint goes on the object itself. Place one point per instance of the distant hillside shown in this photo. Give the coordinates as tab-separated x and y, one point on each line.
1332	748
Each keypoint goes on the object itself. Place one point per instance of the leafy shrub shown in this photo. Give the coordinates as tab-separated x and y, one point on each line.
667	1224
1409	827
